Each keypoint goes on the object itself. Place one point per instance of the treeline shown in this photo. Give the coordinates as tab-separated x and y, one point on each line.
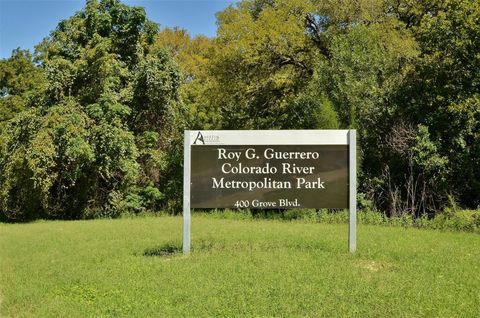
91	124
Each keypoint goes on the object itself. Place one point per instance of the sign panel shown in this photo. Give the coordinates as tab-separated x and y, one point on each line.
269	176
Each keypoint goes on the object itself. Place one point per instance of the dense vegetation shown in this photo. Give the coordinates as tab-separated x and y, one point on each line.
449	220
91	123
112	268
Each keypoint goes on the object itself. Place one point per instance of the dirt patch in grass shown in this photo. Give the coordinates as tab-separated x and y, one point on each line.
371	266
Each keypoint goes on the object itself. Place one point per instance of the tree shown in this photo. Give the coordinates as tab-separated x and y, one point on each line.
193	56
94	142
263	60
93	124
443	89
20	83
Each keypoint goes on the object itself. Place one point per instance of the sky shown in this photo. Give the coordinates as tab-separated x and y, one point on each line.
24	23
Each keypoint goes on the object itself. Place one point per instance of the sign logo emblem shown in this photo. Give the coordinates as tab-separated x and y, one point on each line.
199	138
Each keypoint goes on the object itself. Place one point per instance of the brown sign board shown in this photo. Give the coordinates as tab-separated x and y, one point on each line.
269	176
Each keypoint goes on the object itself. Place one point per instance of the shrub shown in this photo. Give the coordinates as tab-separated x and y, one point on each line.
370	217
461	220
405	220
299	214
332	217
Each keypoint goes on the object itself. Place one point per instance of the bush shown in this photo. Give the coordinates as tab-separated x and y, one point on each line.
423	222
243	214
299	214
333	217
371	217
405	220
461	220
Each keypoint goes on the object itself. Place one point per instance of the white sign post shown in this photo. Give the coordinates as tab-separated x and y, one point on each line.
352	193
277	169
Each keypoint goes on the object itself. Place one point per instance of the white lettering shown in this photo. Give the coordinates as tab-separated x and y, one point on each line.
250	153
270	153
230	155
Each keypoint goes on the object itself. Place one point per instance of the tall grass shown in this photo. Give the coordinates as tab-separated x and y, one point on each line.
132	268
459	220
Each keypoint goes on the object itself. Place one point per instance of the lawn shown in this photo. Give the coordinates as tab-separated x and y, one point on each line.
124	268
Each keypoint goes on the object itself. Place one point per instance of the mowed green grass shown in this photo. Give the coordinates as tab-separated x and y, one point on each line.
237	268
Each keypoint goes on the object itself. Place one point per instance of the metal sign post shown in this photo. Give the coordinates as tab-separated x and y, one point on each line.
270	169
352	162
186	194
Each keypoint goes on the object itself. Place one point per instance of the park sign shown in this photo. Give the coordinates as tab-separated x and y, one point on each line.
269	169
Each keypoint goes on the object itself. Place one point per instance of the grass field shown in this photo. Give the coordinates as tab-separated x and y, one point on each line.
238	268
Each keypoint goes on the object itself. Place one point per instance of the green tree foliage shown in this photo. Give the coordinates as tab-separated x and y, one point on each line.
269	53
20	84
94	143
394	70
263	60
312	64
45	160
193	56
93	124
442	91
